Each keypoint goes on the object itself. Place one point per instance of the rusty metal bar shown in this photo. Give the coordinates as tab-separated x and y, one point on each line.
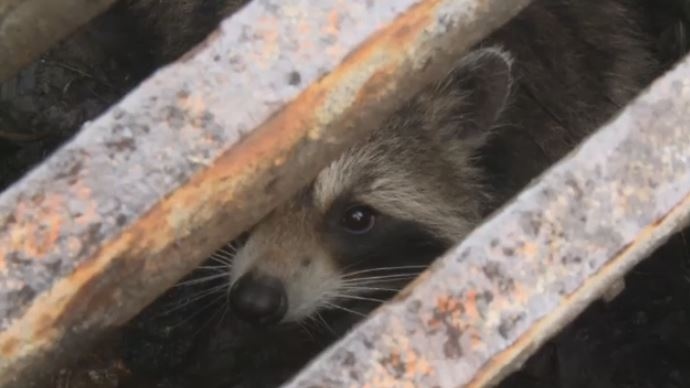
201	151
29	27
493	300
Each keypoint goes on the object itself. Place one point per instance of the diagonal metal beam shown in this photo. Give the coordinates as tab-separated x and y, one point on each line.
492	301
202	150
29	27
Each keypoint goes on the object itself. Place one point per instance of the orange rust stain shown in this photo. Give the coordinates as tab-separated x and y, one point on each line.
194	104
51	215
433	324
403	31
471	305
475	339
9	347
270	42
395	359
519	294
442	303
44	328
528	250
304	45
447	304
416	365
22	210
332	27
377	86
74	245
38	231
410	365
90	214
424	367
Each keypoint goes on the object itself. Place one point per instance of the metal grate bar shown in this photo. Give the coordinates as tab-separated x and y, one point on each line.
201	151
524	274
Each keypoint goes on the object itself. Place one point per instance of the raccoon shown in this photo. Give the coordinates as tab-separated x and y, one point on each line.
381	212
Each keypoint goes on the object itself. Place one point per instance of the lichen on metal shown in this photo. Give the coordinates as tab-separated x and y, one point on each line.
201	151
29	27
484	307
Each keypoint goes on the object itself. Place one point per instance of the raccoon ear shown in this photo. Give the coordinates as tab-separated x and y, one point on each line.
474	95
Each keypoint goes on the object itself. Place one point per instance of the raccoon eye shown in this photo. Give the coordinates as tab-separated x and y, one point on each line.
358	219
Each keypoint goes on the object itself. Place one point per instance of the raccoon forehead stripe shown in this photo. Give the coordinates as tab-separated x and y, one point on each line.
396	196
393	189
346	174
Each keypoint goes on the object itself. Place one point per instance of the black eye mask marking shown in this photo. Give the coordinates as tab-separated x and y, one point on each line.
390	242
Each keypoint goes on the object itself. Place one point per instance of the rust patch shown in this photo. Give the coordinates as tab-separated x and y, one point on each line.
401	33
377	85
38	235
9	347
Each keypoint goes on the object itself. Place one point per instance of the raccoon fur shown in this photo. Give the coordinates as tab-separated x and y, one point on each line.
169	28
417	185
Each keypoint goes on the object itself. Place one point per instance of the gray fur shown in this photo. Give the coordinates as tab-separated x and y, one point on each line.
174	26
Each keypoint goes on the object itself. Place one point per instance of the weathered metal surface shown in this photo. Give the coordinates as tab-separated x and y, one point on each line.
524	274
201	151
29	27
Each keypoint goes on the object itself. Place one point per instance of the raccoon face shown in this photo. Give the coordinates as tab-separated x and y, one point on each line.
379	214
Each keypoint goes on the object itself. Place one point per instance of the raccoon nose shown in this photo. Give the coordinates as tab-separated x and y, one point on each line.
258	299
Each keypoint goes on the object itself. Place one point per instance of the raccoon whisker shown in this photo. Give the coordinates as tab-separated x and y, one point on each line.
185	303
222	257
376	283
229	248
324	323
338	307
383	277
221	261
201	280
356	288
354	297
383	269
226	307
220	267
224	254
304	325
199	311
195	298
210	319
317	323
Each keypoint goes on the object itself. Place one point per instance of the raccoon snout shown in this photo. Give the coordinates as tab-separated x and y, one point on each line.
258	299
